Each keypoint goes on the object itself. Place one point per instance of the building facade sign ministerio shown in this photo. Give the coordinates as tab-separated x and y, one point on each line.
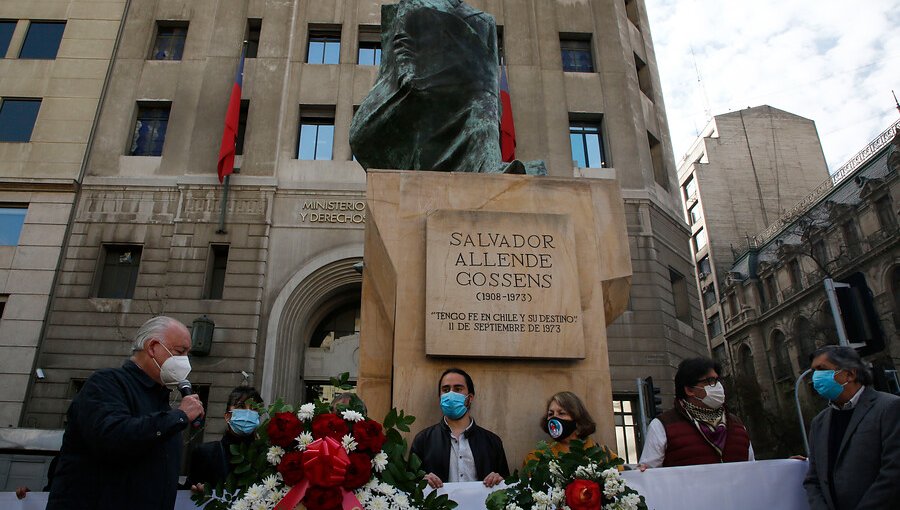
332	212
502	285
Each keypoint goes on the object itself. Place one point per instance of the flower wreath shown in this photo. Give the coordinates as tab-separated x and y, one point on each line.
580	479
324	460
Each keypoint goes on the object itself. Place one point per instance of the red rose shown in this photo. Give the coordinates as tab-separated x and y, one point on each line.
583	495
283	428
291	468
323	498
369	436
359	472
329	425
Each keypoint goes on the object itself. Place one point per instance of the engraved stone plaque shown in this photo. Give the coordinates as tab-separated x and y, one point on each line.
502	285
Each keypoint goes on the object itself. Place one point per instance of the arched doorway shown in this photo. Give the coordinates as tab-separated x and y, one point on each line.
333	347
306	306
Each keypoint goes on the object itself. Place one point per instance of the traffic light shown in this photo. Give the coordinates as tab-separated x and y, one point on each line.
859	315
654	400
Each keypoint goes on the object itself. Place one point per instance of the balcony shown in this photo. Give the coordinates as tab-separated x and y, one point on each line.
745	315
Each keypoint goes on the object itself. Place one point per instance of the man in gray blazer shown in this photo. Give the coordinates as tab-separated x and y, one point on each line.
854	444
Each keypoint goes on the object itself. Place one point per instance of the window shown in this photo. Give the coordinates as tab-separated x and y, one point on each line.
576	53
242	126
42	39
341	322
643	75
690	188
782	366
119	273
17	117
709	296
369	46
745	361
215	273
703	267
316	138
771	289
819	252
6	32
587	145
680	296
254	29
170	37
795	274
851	238
700	240
733	304
627	431
11	221
324	47
631	10
721	357
694	214
658	160
714	326
150	129
887	218
806	342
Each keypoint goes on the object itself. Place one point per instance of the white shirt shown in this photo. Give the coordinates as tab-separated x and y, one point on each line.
462	462
850	404
655	445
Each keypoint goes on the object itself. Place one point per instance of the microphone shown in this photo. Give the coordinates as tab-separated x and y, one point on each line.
185	388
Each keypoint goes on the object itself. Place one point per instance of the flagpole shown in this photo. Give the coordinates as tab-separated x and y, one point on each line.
221	229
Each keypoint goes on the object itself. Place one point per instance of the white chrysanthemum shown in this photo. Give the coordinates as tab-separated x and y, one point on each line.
554	468
261	506
351	415
303	440
255	493
379	462
349	443
630	501
241	504
379	503
306	412
401	500
273	456
385	488
270	482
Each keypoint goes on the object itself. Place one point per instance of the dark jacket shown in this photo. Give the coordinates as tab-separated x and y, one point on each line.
686	446
211	462
122	445
432	445
867	465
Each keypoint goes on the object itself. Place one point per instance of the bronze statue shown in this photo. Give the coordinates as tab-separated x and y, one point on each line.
435	104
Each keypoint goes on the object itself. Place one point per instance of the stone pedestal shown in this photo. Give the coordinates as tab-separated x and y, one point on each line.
512	278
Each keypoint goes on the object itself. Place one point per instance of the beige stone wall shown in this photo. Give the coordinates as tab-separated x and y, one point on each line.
40	174
293	268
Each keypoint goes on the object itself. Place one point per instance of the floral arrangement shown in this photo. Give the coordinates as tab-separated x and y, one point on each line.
324	460
580	479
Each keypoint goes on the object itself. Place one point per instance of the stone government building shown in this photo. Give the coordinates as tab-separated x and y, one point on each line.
119	197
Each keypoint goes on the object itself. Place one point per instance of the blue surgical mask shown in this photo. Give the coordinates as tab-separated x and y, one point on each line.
453	405
825	385
244	421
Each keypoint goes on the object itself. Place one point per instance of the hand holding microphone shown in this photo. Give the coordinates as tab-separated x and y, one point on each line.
190	404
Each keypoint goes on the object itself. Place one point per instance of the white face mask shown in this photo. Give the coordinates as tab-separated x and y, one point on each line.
715	396
173	370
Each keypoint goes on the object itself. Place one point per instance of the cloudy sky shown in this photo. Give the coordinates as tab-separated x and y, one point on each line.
832	61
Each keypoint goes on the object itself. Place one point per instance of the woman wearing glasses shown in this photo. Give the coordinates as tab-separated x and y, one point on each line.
698	429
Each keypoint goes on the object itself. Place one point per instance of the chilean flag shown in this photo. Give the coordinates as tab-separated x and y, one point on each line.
232	119
507	128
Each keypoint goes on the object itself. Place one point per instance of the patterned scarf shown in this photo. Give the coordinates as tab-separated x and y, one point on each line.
710	423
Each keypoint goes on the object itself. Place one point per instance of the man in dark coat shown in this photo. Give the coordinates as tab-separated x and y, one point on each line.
122	445
854	444
456	449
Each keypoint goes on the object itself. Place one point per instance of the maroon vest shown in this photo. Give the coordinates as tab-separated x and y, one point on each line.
686	446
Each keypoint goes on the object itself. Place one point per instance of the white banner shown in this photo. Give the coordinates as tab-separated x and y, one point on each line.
767	484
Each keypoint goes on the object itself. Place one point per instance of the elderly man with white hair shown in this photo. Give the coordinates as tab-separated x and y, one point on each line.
122	445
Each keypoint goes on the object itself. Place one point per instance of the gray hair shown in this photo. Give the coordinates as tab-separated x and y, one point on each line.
153	328
846	358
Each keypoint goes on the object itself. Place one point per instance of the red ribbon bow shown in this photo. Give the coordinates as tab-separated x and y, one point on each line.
324	465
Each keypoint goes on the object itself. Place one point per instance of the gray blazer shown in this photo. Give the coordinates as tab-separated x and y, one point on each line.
867	470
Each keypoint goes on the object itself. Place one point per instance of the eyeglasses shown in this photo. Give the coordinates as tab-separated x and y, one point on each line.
709	381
